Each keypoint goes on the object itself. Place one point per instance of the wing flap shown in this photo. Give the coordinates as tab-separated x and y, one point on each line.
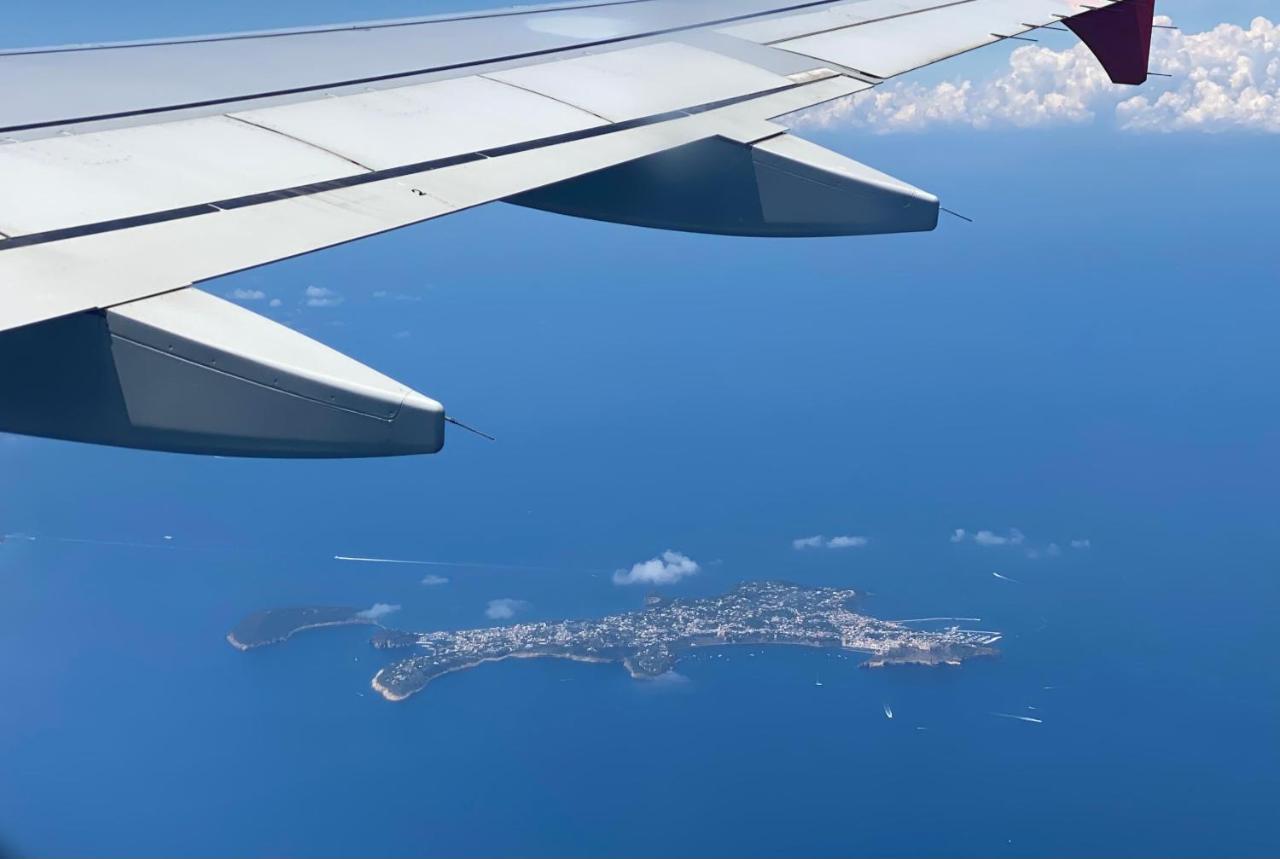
107	264
67	181
389	128
124	264
778	28
176	79
624	85
891	46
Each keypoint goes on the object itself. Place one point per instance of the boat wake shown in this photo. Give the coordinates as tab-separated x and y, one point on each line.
1030	719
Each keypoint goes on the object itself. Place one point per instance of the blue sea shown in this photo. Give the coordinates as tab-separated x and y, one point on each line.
1082	363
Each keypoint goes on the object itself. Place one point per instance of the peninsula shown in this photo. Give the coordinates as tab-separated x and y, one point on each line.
649	642
280	624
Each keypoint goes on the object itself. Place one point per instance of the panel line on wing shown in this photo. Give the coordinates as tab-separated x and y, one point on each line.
338	28
912	41
180	213
99	271
548	96
389	76
882	19
300	140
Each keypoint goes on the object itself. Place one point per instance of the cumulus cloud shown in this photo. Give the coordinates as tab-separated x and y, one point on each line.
1013	537
275	302
1053	550
384	295
431	580
821	542
986	537
378	611
321	296
1224	79
247	295
504	609
669	568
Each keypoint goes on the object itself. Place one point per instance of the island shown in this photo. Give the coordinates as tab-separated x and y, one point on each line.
280	624
647	642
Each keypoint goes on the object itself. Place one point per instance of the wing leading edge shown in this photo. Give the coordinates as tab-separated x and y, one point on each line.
646	112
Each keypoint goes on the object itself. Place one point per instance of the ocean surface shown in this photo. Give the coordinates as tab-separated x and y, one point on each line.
1037	371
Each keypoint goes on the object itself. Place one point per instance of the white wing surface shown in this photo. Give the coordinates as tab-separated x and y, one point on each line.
132	172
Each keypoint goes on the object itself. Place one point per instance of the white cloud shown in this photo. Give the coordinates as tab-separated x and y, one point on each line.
821	542
1013	537
321	296
275	302
1053	550
667	569
247	295
1224	79
431	580
378	611
504	609
384	295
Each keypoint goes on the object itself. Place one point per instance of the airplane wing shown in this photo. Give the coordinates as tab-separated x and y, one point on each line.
134	172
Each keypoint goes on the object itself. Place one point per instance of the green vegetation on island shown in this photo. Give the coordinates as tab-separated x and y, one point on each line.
279	624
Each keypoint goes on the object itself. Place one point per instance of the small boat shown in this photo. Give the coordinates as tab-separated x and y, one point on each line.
888	711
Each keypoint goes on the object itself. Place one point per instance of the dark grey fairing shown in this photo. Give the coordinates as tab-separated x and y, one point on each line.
190	373
781	186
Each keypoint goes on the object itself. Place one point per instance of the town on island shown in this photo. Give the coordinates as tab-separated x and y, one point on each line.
648	642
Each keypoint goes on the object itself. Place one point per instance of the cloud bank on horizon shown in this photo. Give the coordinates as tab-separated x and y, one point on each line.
1224	79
